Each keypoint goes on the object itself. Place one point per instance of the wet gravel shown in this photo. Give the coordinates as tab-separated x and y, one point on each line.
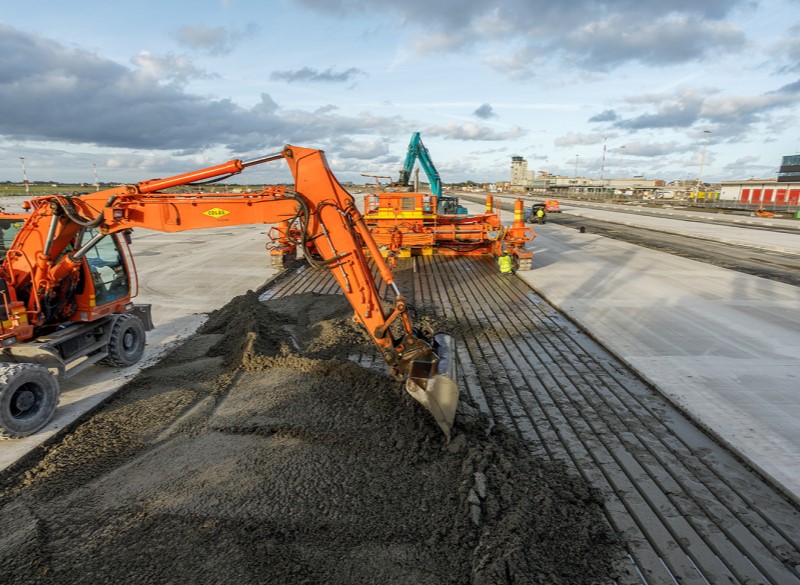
257	453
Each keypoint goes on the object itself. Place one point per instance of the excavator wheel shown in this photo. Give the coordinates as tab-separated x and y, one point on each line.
28	398
126	345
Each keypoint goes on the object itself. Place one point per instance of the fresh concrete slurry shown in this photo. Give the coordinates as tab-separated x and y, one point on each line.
241	456
723	346
183	276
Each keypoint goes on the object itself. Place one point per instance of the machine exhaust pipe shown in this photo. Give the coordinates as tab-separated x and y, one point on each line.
432	382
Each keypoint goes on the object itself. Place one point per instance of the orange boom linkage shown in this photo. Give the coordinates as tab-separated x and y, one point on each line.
52	277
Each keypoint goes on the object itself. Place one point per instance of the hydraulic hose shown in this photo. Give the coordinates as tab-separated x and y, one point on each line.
85	223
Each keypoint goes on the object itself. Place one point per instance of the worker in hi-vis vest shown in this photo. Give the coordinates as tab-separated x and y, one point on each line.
506	263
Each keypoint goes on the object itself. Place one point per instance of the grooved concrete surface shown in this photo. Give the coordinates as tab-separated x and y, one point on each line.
686	508
721	345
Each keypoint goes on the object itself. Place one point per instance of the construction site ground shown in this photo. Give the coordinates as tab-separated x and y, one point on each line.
683	431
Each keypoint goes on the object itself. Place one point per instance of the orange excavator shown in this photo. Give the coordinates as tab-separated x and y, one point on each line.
68	276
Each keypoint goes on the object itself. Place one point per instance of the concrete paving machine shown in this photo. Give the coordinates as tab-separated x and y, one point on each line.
412	224
68	276
407	224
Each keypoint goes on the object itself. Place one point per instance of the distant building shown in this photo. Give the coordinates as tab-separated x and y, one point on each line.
790	169
762	191
635	186
783	191
520	176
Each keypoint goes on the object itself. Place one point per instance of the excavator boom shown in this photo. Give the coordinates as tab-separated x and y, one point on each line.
318	216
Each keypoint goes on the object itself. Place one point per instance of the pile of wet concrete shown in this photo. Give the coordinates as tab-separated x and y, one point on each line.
256	452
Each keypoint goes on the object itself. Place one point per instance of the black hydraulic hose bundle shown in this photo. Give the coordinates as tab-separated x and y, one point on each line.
70	212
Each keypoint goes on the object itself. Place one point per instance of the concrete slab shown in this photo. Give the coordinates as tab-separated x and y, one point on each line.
741	218
723	346
713	227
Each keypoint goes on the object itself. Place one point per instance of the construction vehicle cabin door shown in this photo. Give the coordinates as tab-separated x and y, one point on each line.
107	270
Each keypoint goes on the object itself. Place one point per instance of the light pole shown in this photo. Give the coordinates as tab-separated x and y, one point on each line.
576	165
603	161
702	163
603	165
25	176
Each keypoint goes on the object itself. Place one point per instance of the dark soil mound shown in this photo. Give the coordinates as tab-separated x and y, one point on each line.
256	453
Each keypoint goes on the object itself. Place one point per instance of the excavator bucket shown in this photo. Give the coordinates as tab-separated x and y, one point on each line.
432	382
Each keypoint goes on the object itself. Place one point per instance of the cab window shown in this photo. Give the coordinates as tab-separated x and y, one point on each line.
9	228
107	270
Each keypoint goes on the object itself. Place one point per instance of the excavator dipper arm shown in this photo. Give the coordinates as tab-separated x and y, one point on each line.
418	151
330	232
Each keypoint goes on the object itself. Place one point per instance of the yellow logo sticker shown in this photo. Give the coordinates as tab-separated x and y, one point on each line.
216	212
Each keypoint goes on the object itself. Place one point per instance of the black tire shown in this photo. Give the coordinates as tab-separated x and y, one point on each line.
126	345
28	399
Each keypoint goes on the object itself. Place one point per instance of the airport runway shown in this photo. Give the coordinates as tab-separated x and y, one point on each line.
668	384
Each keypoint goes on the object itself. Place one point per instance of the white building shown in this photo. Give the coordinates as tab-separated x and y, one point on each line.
628	186
761	192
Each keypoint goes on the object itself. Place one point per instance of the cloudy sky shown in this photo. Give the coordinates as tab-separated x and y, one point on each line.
149	89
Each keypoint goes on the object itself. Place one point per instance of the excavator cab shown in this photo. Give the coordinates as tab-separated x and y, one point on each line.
107	271
107	275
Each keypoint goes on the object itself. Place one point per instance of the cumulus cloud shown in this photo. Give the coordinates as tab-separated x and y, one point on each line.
363	149
790	88
74	99
676	110
216	41
604	45
69	95
311	75
595	34
575	138
484	112
786	51
656	149
745	110
474	132
604	116
739	163
688	107
175	68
